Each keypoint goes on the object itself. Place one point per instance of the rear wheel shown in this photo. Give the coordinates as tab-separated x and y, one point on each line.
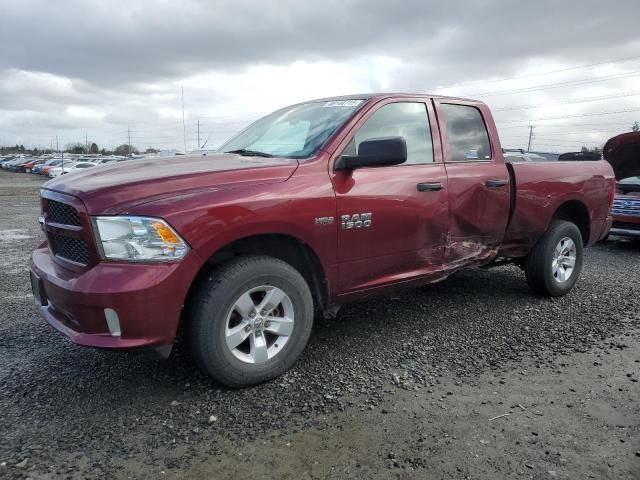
250	320
555	262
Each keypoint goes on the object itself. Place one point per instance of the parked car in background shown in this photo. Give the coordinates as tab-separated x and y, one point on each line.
49	164
4	160
12	165
524	157
18	167
623	152
315	205
580	156
29	166
203	151
104	161
72	167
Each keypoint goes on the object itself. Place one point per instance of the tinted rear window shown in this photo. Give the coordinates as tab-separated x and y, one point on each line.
468	137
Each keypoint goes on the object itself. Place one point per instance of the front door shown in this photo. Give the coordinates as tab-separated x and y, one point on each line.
393	220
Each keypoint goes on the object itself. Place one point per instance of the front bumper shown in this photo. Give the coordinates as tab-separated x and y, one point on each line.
624	232
147	300
625	226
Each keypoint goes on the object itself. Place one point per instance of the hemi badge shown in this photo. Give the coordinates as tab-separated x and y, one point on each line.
322	221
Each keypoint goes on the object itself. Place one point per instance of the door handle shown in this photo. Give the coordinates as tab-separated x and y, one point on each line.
430	186
493	182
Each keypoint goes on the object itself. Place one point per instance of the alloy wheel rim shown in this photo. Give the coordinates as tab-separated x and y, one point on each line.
259	324
564	260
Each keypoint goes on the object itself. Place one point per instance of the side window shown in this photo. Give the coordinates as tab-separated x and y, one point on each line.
468	137
406	120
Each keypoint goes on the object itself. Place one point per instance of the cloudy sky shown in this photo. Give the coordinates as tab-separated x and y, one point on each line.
70	68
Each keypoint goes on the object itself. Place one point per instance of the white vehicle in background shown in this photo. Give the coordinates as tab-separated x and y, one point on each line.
524	157
104	161
69	168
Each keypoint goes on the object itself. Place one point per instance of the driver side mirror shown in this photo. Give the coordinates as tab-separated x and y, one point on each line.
377	152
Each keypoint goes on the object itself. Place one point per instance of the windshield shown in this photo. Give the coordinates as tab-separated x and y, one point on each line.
297	131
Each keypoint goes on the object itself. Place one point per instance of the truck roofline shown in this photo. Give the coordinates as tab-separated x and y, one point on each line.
385	95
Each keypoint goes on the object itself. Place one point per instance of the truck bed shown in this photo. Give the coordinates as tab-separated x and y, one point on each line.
539	189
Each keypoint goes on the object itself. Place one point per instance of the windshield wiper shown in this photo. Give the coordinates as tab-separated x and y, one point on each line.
250	153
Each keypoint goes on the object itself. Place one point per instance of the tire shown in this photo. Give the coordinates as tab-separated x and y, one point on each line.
544	276
219	307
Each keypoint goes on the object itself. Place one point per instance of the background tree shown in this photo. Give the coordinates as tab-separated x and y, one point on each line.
596	150
125	150
94	148
635	127
74	147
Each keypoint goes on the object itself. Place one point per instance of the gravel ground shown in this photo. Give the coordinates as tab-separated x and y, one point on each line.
395	387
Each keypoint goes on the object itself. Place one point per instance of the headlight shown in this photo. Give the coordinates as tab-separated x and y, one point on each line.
138	239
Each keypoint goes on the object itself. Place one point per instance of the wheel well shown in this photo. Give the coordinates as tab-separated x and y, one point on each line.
576	212
289	249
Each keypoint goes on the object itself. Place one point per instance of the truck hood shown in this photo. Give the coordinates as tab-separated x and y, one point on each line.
113	188
623	153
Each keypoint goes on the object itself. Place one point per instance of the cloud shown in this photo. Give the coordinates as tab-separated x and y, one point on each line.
125	62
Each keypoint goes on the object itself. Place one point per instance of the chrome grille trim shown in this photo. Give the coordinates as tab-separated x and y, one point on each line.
624	205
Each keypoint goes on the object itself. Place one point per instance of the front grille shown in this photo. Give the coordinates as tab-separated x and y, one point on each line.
62	213
626	206
69	248
626	225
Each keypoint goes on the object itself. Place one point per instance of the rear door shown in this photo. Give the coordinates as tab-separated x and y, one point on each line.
393	220
479	185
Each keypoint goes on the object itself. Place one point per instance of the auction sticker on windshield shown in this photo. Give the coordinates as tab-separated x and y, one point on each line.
342	103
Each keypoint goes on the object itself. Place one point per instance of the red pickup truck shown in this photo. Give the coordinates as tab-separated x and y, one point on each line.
312	206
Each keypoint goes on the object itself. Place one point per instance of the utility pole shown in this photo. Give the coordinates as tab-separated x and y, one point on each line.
184	127
86	143
531	127
129	141
58	150
198	134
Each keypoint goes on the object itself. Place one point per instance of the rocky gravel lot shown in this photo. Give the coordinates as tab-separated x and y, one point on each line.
403	386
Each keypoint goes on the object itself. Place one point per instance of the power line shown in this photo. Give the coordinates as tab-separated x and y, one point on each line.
564	102
554	125
566	141
538	74
545	86
580	115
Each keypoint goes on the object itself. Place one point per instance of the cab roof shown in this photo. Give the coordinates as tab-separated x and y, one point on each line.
379	96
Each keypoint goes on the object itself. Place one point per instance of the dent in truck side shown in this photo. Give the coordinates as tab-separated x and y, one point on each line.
409	223
479	184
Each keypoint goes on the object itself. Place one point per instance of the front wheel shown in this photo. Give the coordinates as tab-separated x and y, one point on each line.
249	320
555	262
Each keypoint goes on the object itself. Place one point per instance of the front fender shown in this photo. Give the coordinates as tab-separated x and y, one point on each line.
210	220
